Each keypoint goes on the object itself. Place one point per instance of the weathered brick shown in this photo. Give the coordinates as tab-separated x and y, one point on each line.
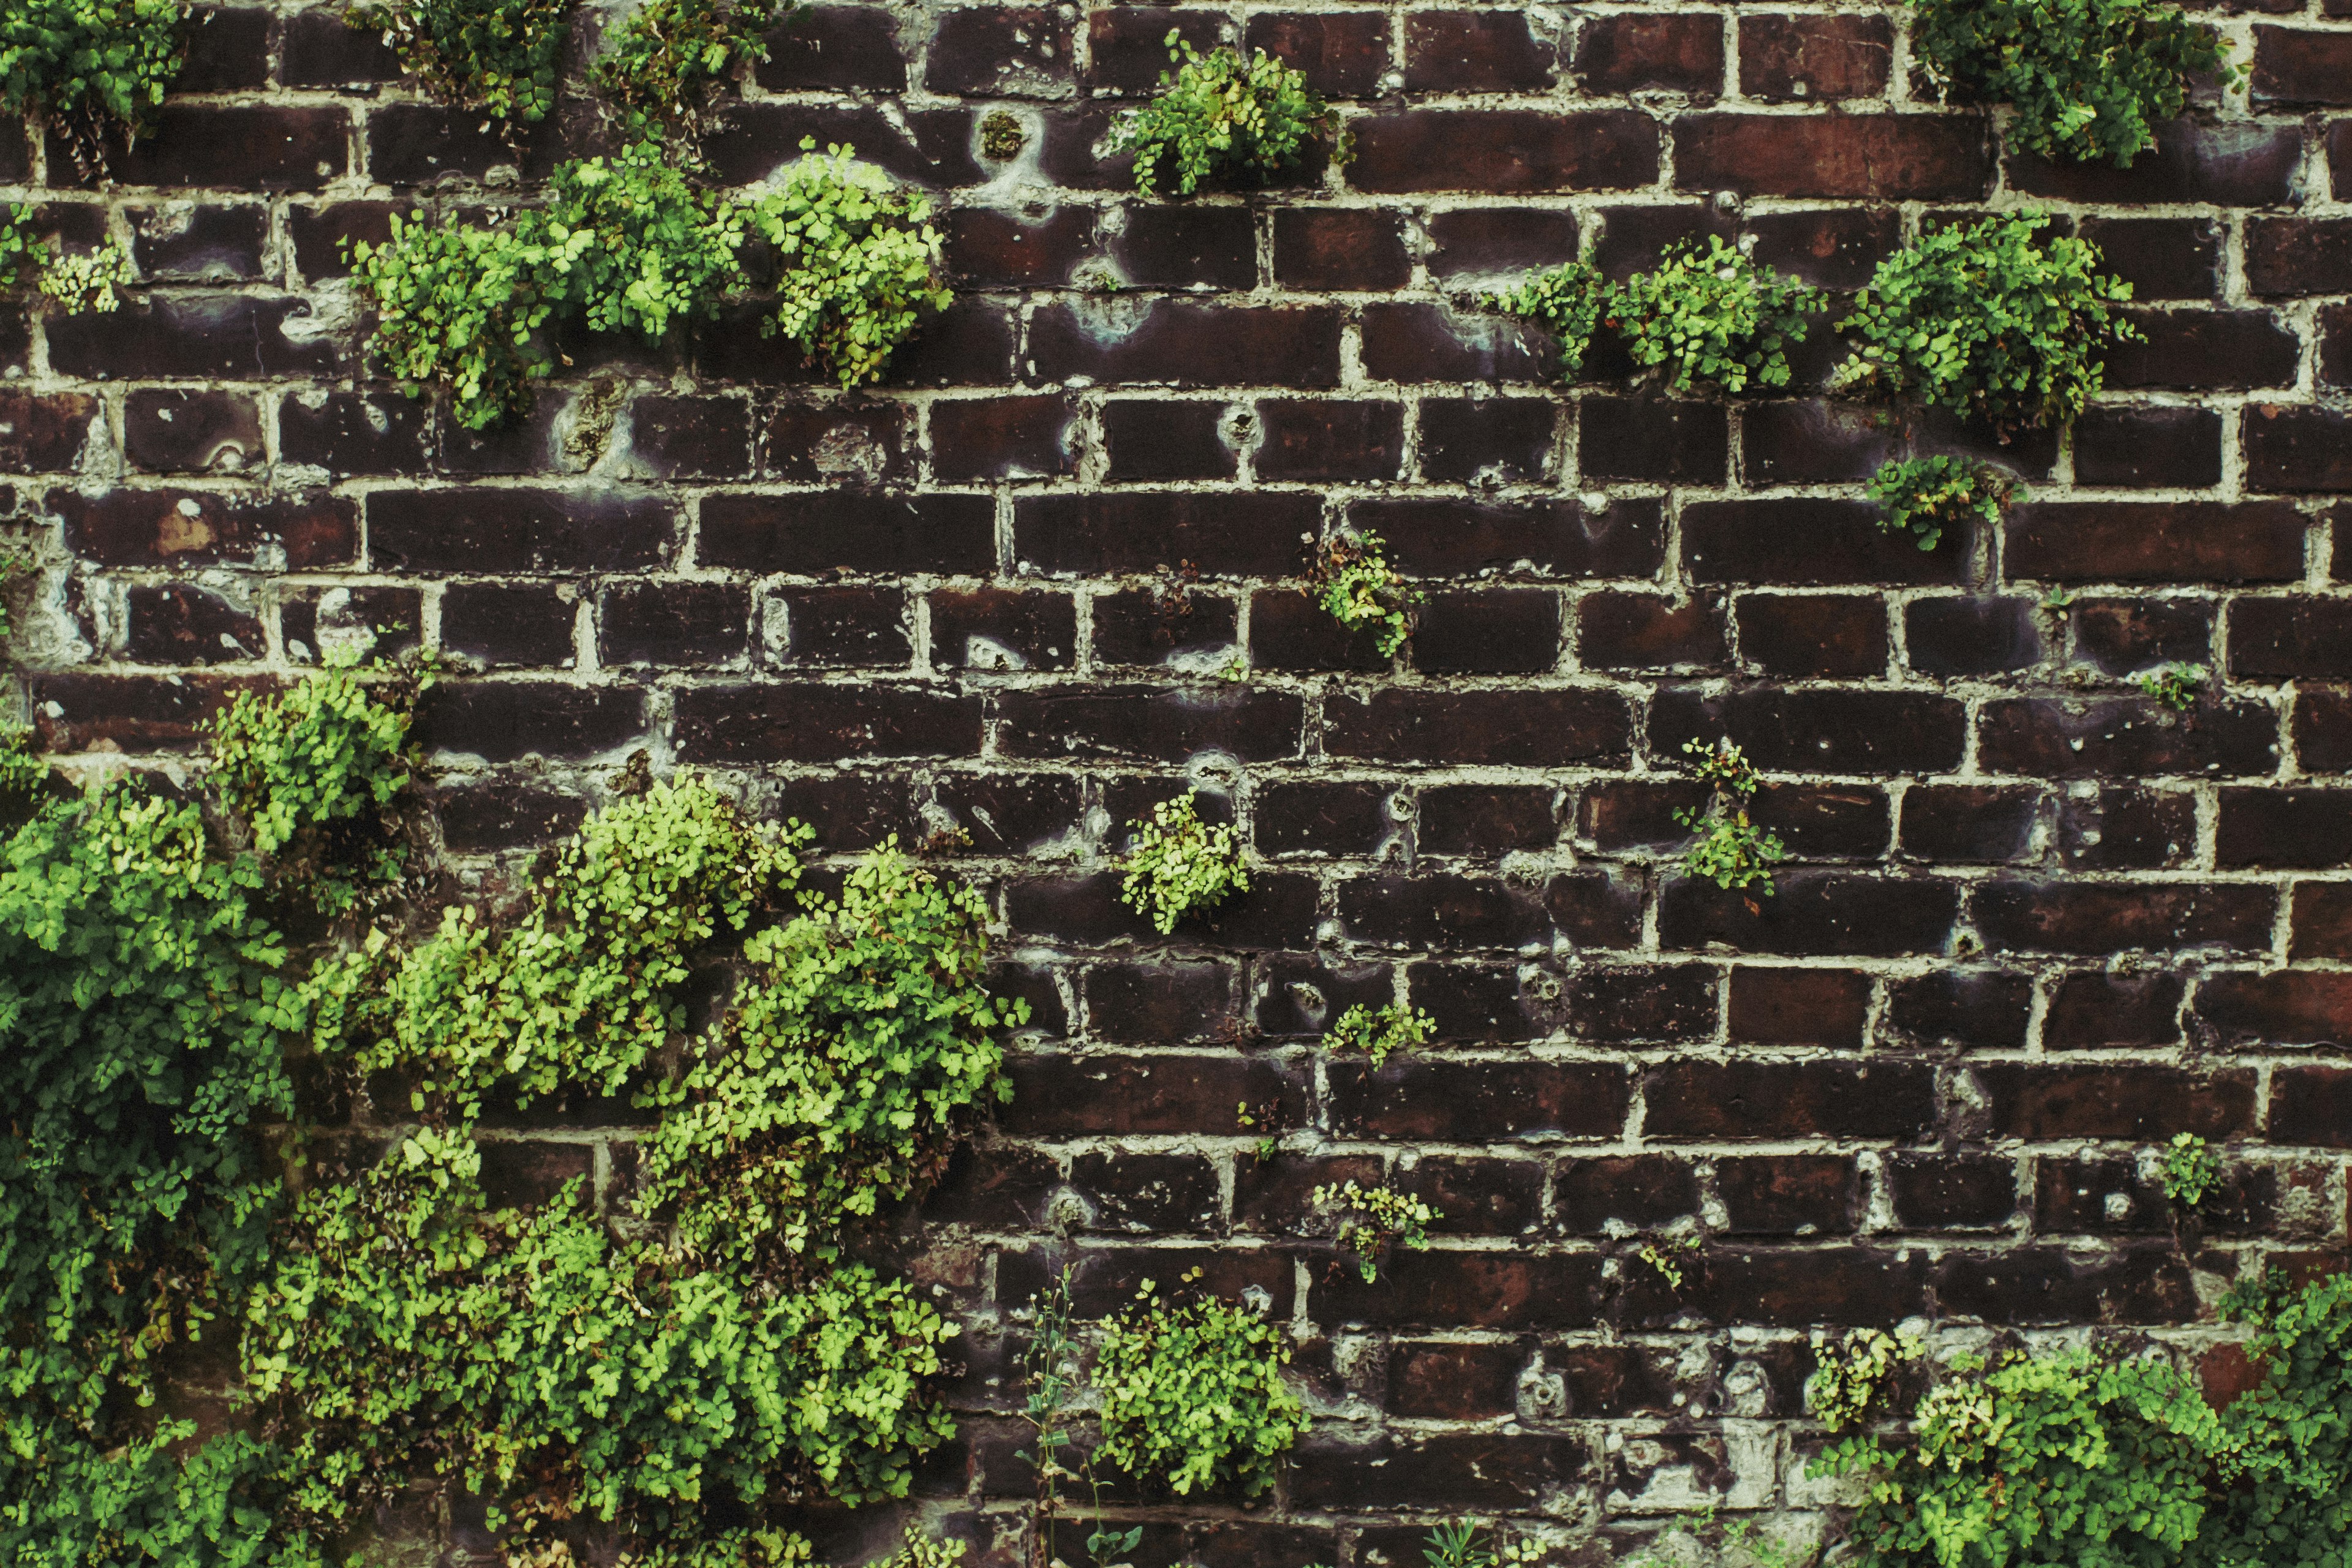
1810	443
508	529
1126	46
2229	163
673	624
1148	722
172	432
1817	731
2297	449
1992	635
691	437
500	721
2301	64
2122	635
1811	634
352	433
1958	1009
2290	255
192	336
1454	1382
1790	1006
812	533
1056	1095
1644	631
2164	542
2312	1105
233	148
483	816
2205	350
194	528
1516	727
1881	157
1497	242
977	439
2176	448
1803	543
1811	913
1504	151
858	443
1830	247
45	432
2322	920
1553	537
2124	738
1491	1471
2107	917
1409	341
1742	1100
1338	248
2160	257
1484	1102
497	624
1188	344
1789	1194
412	145
1156	628
1187	248
1665	441
802	721
1814	57
1021	51
1626	51
2144	1103
183	623
1474	51
1154	438
840	47
200	243
2149	1284
1486	441
1341	54
1494	631
2124	829
1350	439
2323	730
1939	1192
1984	822
2282	1008
997	628
839	627
2298	827
1486	820
2101	1010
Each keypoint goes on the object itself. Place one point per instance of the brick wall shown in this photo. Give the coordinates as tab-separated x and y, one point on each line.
2034	924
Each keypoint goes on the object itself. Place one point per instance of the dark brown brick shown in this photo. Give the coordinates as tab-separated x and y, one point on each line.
2146	1104
508	529
802	722
1627	51
1548	538
2160	257
1474	51
45	432
2100	918
1811	914
1789	1194
2298	827
2282	1008
1018	51
2323	730
1327	440
839	627
1803	543
1410	341
1981	823
1187	248
2292	255
2119	636
691	437
998	629
673	624
1509	728
1505	152
1339	248
838	444
2124	738
841	47
228	148
992	247
2125	829
207	243
1152	722
321	49
1493	1471
1486	1102
1949	636
2097	1010
1486	820
1187	344
1486	441
352	433
1811	634
1814	58
2322	921
191	432
2240	164
1497	242
1126	45
1322	818
500	721
2205	349
1831	248
1494	631
977	439
2177	448
1881	157
1958	1009
1454	1382
1735	1099
2312	1105
2162	541
183	623
177	527
1790	1006
1644	631
2297	449
192	336
498	624
1342	54
1662	441
1290	631
1940	1192
1162	439
814	533
2301	64
1817	731
1810	443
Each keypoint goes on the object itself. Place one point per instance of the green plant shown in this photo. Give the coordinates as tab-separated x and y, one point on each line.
1985	321
1000	136
87	283
1192	1393
1393	1028
2081	1458
146	1018
1221	118
1054	1377
1928	495
2190	1171
1569	300
1462	1543
662	63
860	261
2176	685
1181	865
90	70
1373	1219
1666	1255
2087	77
1853	1376
1357	587
2294	1429
1715	317
499	57
1731	851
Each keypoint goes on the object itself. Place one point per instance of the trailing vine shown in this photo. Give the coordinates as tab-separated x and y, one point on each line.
2087	78
629	243
1221	117
1990	322
90	70
499	57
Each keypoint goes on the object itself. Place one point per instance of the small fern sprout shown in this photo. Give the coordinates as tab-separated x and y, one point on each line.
1376	1034
2190	1171
1357	587
1569	300
1221	118
1852	1377
1373	1219
1731	851
1181	865
2176	685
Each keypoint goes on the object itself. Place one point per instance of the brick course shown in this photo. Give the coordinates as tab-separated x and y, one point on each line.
2034	922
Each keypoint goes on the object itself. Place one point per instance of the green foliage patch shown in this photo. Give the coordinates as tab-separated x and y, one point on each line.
1181	865
1991	322
1928	495
1371	1220
664	62
2176	686
74	282
90	71
1221	118
1569	300
1193	1394
2189	1170
1712	317
1730	851
2087	77
1356	585
1393	1028
502	57
629	243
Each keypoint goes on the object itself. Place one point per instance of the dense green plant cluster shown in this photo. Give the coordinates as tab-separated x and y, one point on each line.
1855	1377
630	244
395	1330
1376	1033
90	71
2189	1170
1181	865
1220	116
149	998
1357	587
1193	1392
499	57
1373	1219
2087	77
1990	322
1928	495
2106	1459
1569	300
74	283
859	258
1713	317
663	61
1730	851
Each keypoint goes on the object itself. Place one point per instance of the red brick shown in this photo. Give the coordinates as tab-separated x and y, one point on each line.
2297	449
1503	152
2301	64
1497	242
1338	248
1626	52
1518	727
2101	1010
1644	631
1486	1102
1737	1100
1342	54
2106	917
1811	914
2292	255
45	432
1907	157
1410	341
1787	1006
1018	51
1934	1192
994	247
2322	921
977	439
1789	1194
813	532
1474	51
2228	163
2144	1104
1813	58
2163	541
1187	248
801	722
1454	1382
1958	1009
2282	1007
2312	1105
